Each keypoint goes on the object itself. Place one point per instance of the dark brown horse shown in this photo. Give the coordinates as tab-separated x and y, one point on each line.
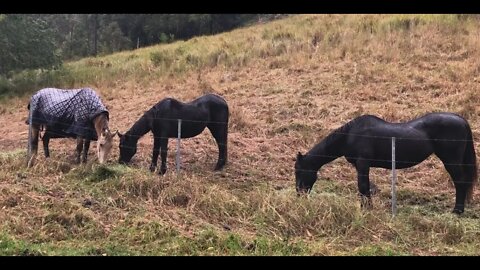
366	142
208	111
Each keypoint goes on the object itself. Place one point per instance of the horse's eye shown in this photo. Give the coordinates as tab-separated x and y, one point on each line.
102	144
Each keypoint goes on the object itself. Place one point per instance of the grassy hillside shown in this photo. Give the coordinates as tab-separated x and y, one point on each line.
288	84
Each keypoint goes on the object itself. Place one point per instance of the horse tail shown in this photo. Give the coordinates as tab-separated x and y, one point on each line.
470	161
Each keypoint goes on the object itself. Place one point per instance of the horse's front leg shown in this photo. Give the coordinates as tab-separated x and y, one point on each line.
79	149
86	146
156	151
163	155
363	170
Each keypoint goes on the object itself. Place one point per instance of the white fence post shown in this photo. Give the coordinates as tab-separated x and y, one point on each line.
178	145
394	180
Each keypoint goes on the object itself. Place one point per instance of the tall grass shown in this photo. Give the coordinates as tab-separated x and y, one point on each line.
288	83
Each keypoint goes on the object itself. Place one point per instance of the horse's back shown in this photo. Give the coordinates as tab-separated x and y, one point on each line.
368	126
204	107
216	105
165	115
52	96
195	115
48	97
443	119
211	100
442	125
431	125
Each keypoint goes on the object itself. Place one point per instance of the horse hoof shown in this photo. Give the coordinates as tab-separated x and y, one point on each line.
152	168
219	167
366	203
457	211
162	171
367	207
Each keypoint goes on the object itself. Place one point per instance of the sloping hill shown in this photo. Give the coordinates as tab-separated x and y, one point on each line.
288	84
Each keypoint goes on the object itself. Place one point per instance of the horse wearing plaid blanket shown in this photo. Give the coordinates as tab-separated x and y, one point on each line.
76	113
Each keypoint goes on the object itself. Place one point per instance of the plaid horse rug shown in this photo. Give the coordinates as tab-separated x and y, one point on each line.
67	113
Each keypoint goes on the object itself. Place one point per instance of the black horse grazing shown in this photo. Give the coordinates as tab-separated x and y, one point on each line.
366	142
75	113
209	111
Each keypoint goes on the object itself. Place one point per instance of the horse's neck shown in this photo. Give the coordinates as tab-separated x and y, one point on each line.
101	124
140	128
327	150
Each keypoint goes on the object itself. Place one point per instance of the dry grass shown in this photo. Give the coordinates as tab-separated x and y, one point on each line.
288	84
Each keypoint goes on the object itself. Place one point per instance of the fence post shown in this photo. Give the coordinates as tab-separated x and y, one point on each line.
178	145
394	180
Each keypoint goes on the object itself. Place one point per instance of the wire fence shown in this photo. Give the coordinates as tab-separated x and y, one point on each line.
179	121
185	122
53	132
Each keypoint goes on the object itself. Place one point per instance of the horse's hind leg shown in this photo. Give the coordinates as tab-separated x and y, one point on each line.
79	149
220	133
163	155
86	146
34	145
46	141
454	167
461	186
461	189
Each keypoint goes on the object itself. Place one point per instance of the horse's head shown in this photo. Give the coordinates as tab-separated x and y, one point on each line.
104	145
128	148
305	174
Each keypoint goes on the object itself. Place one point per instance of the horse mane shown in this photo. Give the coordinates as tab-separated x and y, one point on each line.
341	131
344	129
142	125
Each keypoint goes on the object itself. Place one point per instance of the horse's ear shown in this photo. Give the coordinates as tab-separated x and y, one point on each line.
299	156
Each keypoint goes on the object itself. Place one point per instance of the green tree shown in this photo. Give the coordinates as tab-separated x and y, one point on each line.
112	39
26	42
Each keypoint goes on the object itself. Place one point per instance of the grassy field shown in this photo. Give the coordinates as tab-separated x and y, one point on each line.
288	84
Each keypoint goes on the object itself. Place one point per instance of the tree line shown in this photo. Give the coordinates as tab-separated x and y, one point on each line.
35	41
